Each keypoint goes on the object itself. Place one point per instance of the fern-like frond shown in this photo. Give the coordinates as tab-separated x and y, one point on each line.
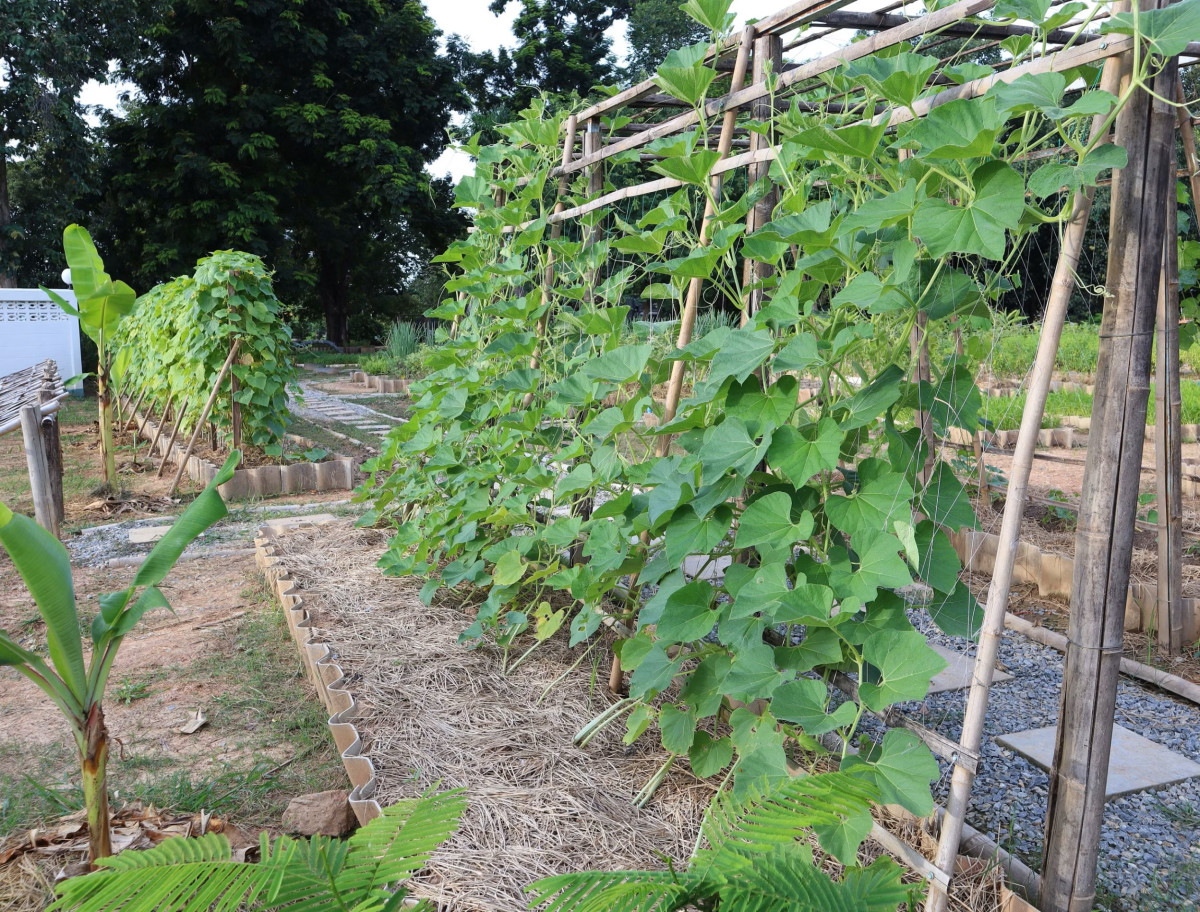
785	879
214	886
398	843
611	891
778	815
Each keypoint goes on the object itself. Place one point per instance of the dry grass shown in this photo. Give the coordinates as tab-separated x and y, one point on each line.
434	713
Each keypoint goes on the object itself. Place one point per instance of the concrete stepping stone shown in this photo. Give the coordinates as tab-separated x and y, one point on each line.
145	535
291	523
1135	763
959	671
694	567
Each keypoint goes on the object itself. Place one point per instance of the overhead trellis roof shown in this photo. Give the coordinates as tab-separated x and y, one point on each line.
24	387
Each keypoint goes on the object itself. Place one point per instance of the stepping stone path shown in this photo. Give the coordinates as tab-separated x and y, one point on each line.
144	535
959	671
1135	763
322	407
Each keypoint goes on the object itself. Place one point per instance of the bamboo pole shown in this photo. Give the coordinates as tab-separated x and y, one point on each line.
992	629
39	470
1187	133
768	58
555	233
162	421
212	397
132	416
687	319
1168	449
1103	540
171	443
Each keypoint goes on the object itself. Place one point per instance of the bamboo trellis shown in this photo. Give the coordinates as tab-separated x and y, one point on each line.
1142	297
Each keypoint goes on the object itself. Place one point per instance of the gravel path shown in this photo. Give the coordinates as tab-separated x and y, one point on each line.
1150	847
321	407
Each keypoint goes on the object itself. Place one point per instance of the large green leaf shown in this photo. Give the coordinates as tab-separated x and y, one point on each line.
101	302
899	78
45	568
881	495
964	128
979	226
905	664
1168	29
687	615
684	75
619	365
769	522
1055	176
902	772
801	454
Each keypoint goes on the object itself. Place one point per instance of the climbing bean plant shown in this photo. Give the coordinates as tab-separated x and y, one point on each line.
529	468
180	335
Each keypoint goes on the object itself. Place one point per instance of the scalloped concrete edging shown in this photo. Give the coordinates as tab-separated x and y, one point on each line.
380	384
325	674
331	475
1053	573
1062	437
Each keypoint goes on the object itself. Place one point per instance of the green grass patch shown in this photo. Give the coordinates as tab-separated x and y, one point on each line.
278	742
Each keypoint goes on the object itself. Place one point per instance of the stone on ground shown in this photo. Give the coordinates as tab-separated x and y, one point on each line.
292	523
959	671
145	535
320	814
1135	763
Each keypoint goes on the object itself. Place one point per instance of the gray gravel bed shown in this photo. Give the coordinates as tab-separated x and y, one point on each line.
1150	845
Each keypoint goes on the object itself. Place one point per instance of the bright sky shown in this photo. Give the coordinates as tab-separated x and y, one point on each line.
484	31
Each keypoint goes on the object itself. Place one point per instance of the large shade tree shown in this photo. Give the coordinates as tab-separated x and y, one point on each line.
49	49
561	49
295	129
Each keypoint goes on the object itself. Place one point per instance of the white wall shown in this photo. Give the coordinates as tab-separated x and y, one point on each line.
34	328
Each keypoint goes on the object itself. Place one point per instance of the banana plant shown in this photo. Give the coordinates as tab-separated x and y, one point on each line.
77	686
101	304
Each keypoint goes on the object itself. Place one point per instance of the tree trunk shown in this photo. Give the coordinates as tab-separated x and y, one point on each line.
333	290
6	281
94	762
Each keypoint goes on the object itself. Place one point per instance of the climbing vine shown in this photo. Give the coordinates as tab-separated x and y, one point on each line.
759	543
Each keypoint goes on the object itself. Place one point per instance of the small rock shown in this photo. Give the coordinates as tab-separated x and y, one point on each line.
321	813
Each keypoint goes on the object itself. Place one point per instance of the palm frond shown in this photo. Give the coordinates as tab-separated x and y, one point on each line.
778	815
611	891
785	878
398	843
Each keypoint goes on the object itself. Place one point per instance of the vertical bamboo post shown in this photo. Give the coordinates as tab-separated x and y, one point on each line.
556	230
39	471
131	418
235	411
768	56
687	319
992	629
1168	448
1187	134
918	342
1104	538
162	422
212	397
175	422
52	444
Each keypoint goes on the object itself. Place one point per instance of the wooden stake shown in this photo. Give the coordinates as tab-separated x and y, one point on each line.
992	629
212	397
1104	538
162	422
170	443
1168	448
132	416
235	408
687	319
52	444
39	471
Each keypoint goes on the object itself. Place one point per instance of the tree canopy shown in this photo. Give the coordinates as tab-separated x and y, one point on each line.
298	130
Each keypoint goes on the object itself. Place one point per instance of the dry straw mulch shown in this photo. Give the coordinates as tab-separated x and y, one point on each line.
433	713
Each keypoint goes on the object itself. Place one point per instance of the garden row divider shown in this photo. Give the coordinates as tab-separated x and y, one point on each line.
380	384
325	674
331	475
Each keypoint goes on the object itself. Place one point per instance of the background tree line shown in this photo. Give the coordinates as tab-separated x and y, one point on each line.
298	131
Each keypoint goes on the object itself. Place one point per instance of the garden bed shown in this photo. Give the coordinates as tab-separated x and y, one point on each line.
380	383
331	474
411	707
